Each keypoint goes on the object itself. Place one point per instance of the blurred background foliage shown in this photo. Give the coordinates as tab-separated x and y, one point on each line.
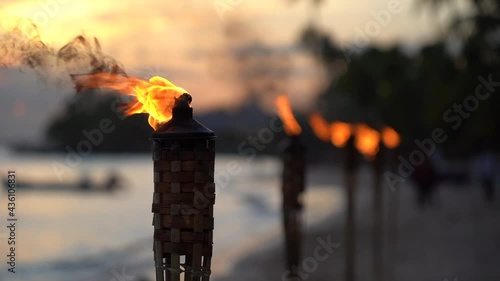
409	90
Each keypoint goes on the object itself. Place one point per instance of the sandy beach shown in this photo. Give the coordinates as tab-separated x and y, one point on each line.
456	239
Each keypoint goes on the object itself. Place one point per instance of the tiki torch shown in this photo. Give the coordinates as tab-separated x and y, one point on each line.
293	155
342	137
391	140
184	189
368	144
184	196
340	134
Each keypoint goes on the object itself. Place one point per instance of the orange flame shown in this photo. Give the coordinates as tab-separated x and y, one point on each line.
367	141
390	137
155	97
292	127
340	133
320	127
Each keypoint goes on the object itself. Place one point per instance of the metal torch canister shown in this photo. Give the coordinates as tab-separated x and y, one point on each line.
184	196
293	154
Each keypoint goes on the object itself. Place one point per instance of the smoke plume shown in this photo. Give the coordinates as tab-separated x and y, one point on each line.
21	47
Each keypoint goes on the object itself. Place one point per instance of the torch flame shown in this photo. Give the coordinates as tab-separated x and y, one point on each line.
340	133
320	127
390	137
292	127
367	141
155	97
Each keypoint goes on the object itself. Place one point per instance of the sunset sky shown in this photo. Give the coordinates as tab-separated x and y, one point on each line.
190	42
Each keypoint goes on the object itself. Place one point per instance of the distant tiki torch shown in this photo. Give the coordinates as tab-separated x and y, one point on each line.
293	183
292	187
342	136
184	196
368	143
391	140
350	165
378	216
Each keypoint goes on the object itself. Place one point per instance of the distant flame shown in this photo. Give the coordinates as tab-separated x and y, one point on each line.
340	133
390	137
155	97
367	141
320	127
292	127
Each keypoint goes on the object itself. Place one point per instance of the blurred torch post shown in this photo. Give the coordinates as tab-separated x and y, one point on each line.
343	136
392	220
391	141
378	216
293	154
369	144
184	196
350	165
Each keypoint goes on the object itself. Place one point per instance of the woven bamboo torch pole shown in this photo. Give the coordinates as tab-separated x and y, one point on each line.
184	196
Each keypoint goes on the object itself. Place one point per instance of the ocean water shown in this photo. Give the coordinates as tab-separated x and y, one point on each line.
65	234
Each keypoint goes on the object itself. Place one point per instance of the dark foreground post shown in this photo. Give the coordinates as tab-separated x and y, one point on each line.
184	196
292	187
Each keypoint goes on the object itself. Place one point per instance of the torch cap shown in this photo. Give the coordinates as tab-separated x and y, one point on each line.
183	125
